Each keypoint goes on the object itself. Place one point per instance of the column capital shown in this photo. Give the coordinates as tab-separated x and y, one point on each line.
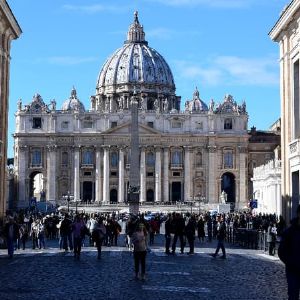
23	148
212	148
51	148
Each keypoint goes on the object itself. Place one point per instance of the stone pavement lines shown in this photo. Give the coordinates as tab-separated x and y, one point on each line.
232	254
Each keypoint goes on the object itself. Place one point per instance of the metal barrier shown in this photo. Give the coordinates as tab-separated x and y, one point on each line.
247	238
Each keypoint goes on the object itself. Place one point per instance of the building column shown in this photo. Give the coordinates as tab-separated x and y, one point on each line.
242	198
143	176
212	195
51	174
77	173
106	175
278	199
98	177
22	167
187	174
157	174
121	175
166	175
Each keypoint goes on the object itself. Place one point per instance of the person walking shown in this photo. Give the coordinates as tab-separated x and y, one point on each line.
79	231
220	235
168	233
200	229
66	233
289	254
190	233
11	234
271	237
179	226
98	235
139	239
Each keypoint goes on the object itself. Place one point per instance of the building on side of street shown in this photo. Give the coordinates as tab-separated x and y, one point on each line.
9	30
286	32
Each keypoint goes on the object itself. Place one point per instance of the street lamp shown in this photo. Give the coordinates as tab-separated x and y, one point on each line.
68	197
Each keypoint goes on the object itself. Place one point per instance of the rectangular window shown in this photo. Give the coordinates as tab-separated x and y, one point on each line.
150	174
36	158
37	123
150	124
87	124
176	124
113	124
296	100
228	160
87	173
176	174
199	125
113	173
64	125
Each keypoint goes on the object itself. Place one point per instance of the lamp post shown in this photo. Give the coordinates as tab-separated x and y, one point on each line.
68	200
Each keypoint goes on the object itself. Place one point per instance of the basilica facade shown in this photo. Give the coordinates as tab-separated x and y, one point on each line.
186	155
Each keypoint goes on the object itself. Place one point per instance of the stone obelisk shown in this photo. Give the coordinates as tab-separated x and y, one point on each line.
134	172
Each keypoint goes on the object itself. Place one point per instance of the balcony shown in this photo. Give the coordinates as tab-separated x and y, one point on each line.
87	166
176	166
36	166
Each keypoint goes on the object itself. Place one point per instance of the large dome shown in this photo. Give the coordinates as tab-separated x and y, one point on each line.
135	64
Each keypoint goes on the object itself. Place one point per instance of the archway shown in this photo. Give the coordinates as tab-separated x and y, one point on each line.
228	186
36	186
150	195
87	191
113	197
176	191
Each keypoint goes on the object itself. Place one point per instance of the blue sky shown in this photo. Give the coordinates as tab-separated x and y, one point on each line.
220	46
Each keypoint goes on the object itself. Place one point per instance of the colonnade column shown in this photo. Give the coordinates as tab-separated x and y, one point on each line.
242	198
166	175
106	175
22	167
187	174
143	176
76	173
121	176
98	179
157	174
212	195
51	173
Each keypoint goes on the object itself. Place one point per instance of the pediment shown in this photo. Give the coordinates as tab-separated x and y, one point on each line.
126	129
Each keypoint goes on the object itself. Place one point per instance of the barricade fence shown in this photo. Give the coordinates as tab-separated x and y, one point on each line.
248	238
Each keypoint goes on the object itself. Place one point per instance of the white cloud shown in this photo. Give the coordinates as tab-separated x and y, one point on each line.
69	60
231	70
210	3
92	9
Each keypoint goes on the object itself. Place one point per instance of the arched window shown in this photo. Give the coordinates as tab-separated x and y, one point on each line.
114	159
64	158
87	158
228	124
150	160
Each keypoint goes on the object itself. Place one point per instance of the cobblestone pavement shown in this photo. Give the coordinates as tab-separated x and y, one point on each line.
53	274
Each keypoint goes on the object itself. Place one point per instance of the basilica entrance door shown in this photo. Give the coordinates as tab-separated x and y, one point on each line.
87	191
176	191
113	197
150	196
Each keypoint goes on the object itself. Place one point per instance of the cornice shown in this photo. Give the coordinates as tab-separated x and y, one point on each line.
285	18
16	29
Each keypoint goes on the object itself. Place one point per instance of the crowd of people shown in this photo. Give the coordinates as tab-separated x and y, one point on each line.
75	231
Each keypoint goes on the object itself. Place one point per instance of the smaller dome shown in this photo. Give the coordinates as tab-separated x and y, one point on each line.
196	105
73	103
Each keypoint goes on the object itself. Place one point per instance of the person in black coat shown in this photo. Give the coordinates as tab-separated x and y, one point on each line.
289	253
11	230
220	234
